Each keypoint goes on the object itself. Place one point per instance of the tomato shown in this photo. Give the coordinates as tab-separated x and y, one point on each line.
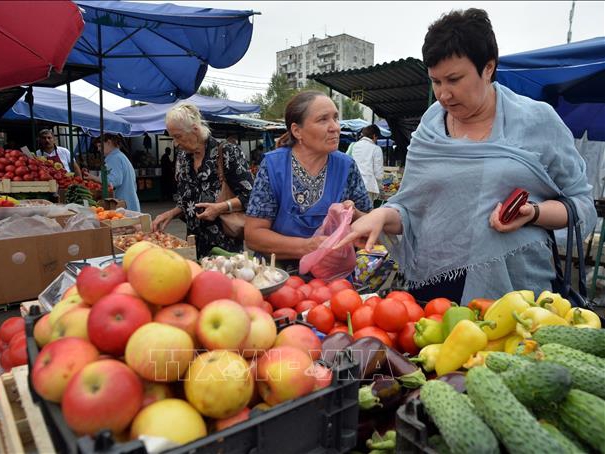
405	339
10	327
317	283
285	312
322	318
345	301
17	352
305	289
338	329
372	331
19	335
339	284
295	281
305	305
438	317
415	312
320	294
372	301
286	296
362	317
437	306
402	296
390	315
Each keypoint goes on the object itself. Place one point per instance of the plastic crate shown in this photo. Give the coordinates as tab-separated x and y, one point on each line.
414	428
324	421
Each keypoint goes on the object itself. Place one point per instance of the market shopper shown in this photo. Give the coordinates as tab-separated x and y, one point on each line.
297	182
120	173
369	160
472	148
197	180
50	150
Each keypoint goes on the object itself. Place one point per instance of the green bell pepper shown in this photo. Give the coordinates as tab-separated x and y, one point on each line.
427	332
454	315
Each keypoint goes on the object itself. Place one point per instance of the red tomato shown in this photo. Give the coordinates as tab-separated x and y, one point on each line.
317	283
343	302
306	290
322	318
415	312
338	329
19	335
10	327
372	301
17	352
405	339
390	315
286	296
438	317
305	305
285	312
339	284
295	281
402	296
320	294
372	331
437	306
362	317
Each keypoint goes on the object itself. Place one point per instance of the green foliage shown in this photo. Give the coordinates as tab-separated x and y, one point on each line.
213	91
351	109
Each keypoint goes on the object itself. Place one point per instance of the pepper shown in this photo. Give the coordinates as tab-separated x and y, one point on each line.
427	357
480	306
501	313
428	332
512	342
533	318
554	302
583	318
466	339
496	345
453	316
528	295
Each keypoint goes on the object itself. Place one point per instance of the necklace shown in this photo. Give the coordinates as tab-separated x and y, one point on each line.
483	137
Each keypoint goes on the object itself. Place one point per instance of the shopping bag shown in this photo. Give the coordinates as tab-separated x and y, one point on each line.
326	263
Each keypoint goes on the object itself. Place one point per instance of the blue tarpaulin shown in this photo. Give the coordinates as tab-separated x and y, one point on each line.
570	77
358	124
158	52
50	104
150	117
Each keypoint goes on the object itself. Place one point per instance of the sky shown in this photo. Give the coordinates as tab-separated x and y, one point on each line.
396	28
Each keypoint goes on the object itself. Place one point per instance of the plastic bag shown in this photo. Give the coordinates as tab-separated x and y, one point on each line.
326	263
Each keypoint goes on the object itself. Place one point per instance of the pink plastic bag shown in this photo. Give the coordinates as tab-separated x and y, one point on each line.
325	263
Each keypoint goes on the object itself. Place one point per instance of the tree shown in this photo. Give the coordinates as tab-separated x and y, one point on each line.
214	91
351	109
273	102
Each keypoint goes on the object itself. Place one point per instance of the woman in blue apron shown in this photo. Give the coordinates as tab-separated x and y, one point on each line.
297	182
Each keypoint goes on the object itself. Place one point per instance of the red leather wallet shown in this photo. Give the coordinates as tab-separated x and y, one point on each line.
510	207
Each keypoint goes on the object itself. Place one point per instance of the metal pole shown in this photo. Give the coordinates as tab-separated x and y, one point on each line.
69	122
104	187
29	97
573	6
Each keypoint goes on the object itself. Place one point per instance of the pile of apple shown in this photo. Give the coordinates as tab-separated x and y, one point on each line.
158	347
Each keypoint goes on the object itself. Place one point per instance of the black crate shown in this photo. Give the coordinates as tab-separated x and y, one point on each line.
324	421
414	427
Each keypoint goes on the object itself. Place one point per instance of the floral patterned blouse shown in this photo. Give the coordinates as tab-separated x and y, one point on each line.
204	185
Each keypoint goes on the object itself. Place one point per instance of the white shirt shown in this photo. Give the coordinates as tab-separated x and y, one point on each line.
368	157
63	154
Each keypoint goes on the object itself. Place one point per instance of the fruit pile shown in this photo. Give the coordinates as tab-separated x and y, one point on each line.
8	202
119	351
158	238
103	214
13	351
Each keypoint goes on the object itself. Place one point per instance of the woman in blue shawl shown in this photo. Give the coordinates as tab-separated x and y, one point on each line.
297	182
476	144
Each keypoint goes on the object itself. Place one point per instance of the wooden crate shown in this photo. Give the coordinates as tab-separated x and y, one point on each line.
11	187
142	222
22	426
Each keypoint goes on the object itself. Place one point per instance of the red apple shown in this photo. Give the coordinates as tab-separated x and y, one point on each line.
246	294
57	362
222	424
94	283
153	391
262	332
113	320
105	394
301	337
222	324
17	351
181	315
209	286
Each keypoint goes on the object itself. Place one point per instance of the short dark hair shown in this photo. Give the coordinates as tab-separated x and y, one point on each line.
467	33
370	131
297	110
43	132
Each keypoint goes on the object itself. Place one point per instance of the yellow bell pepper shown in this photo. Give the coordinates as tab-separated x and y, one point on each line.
528	295
512	342
466	339
535	317
496	345
554	302
583	318
501	313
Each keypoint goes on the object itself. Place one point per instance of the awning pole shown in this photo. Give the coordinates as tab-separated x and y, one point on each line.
69	122
29	97
104	189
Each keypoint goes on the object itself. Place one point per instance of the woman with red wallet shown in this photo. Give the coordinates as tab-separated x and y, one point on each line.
478	146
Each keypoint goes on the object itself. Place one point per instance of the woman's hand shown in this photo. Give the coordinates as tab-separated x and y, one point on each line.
211	210
526	214
161	221
365	230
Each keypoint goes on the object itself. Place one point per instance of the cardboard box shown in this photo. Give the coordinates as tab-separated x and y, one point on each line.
29	264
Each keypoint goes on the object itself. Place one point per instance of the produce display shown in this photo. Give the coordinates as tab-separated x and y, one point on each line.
243	267
8	202
123	242
80	195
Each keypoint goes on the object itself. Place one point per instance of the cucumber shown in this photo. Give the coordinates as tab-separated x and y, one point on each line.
587	358
585	339
584	376
551	416
500	361
459	425
584	414
437	443
539	384
514	425
569	446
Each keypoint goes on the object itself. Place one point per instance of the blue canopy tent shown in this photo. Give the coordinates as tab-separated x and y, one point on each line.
570	77
150	117
358	124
